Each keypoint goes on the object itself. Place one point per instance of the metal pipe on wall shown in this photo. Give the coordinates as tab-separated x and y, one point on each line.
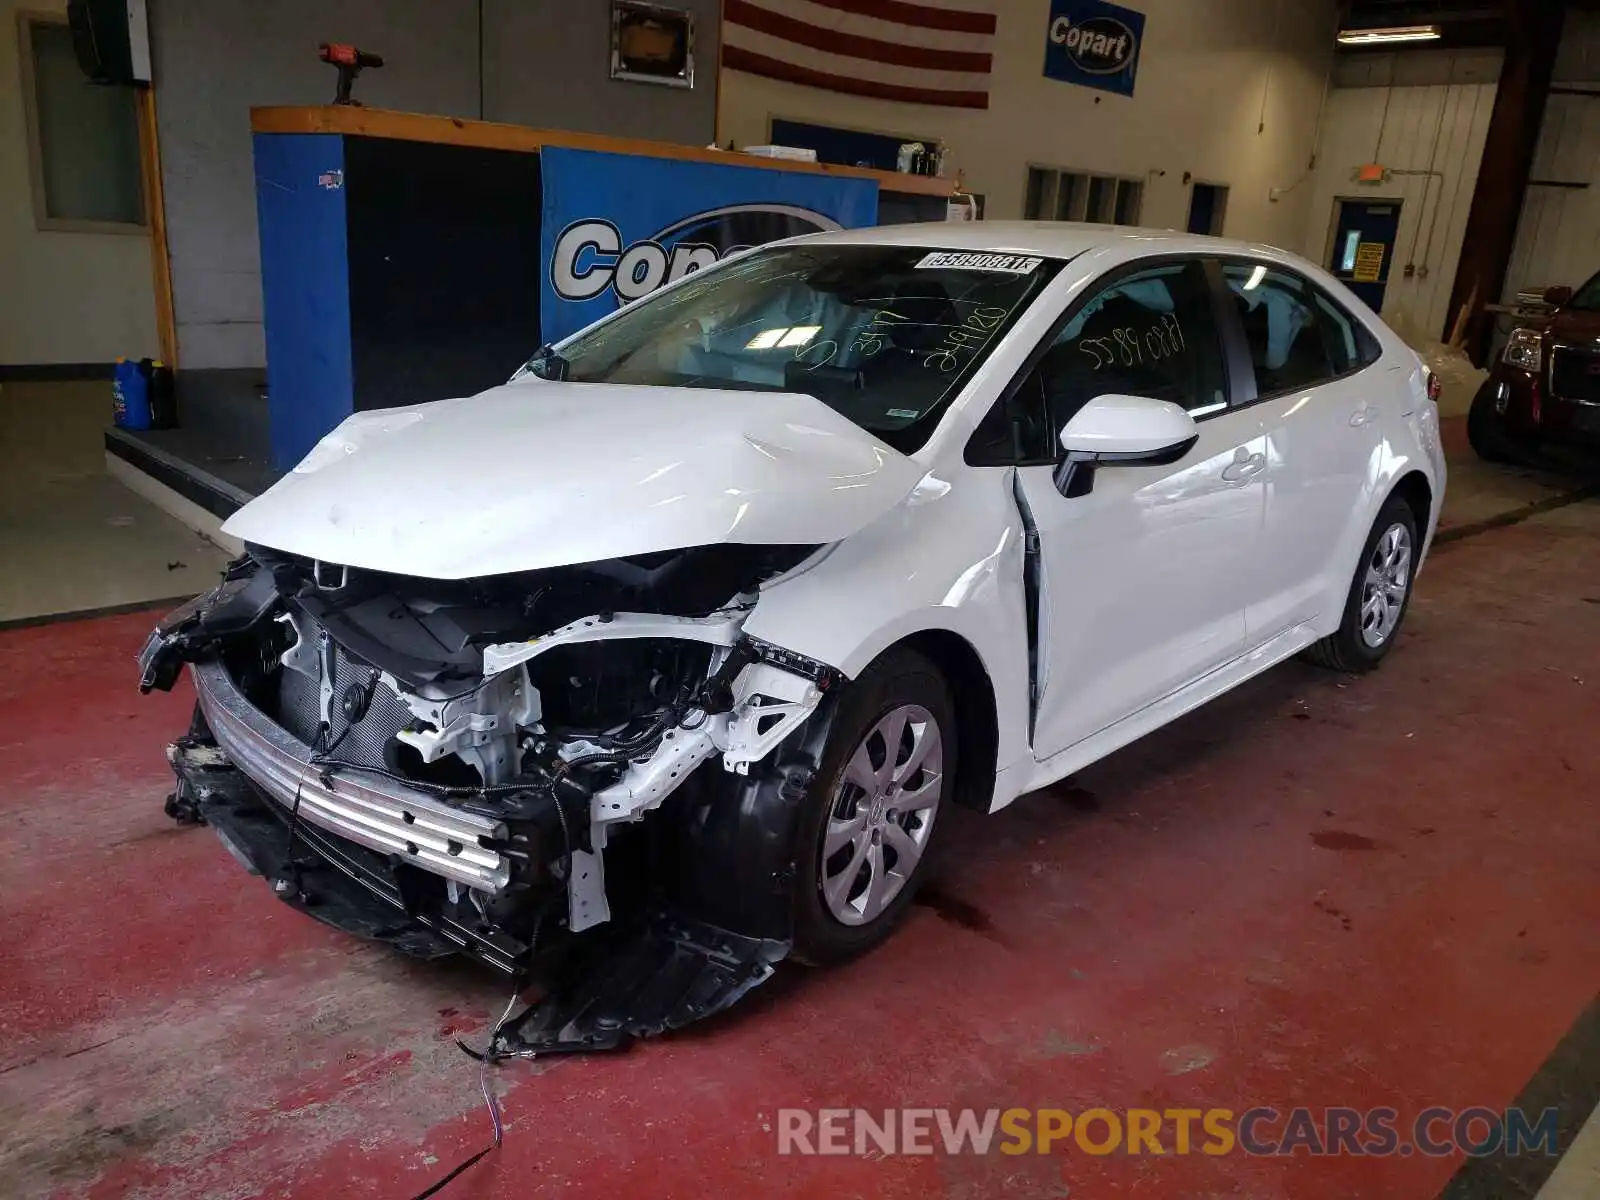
1433	160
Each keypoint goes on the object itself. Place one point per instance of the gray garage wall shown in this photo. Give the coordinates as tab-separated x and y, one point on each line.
545	62
1424	115
548	63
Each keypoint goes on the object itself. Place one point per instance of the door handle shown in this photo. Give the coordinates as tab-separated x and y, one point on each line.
1363	415
1241	469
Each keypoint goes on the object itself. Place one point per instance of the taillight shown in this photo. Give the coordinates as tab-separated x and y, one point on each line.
1434	383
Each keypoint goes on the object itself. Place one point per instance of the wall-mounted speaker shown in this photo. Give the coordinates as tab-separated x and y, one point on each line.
112	39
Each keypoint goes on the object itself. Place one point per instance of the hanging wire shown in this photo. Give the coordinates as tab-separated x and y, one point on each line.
491	1056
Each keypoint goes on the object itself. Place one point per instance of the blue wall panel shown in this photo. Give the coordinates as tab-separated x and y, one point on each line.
300	207
619	225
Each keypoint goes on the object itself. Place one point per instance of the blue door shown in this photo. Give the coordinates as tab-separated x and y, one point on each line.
1363	246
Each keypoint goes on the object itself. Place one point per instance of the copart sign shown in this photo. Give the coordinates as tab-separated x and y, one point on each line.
1093	44
617	227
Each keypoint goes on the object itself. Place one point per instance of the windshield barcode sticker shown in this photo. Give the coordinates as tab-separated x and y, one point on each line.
951	260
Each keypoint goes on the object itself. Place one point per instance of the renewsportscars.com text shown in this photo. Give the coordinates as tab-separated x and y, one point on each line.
1261	1131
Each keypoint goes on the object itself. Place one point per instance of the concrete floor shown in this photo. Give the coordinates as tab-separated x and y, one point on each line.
1318	890
1577	1176
71	537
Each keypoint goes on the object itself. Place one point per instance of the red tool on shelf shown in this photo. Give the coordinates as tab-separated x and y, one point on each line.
350	61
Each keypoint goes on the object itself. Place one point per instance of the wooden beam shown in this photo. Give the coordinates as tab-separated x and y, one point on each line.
1508	149
156	217
359	121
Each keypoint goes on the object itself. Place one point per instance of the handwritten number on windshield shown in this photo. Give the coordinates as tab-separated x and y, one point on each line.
962	341
871	340
817	354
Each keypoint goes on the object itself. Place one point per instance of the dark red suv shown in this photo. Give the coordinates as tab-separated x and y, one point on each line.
1545	387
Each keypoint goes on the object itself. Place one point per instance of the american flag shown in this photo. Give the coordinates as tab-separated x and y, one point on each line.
922	51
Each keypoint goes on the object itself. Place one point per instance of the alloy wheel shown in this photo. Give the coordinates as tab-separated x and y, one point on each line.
881	815
1384	587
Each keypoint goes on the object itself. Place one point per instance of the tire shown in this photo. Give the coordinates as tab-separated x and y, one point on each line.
1365	635
837	911
1486	430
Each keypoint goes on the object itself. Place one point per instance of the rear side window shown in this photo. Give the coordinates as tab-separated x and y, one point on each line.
1297	336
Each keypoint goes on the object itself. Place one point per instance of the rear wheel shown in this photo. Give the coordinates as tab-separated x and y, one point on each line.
870	816
1379	594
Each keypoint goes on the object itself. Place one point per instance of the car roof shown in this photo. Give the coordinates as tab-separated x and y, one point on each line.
1053	239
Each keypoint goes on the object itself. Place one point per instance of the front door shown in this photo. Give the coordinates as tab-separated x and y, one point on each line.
1143	579
1364	236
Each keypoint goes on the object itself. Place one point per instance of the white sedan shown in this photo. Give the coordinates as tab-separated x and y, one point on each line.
717	604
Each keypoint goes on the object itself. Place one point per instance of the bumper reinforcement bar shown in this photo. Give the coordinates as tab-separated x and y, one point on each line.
372	812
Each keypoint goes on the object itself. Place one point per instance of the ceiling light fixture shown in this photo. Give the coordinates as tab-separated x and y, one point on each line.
1397	33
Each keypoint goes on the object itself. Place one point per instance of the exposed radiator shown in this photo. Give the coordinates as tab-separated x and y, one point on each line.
300	710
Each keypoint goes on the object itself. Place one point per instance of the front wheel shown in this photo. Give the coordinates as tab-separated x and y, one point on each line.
1379	594
870	816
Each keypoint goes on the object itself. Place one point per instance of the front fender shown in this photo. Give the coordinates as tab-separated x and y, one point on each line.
949	559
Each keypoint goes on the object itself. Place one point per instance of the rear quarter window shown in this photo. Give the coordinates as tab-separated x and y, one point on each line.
1351	345
1298	335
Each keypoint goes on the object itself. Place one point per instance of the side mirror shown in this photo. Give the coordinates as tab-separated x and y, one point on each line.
1121	431
1555	297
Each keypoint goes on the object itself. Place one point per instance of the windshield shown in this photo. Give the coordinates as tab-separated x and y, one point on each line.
884	335
1586	298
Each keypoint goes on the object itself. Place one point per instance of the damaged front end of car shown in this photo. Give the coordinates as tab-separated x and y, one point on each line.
588	772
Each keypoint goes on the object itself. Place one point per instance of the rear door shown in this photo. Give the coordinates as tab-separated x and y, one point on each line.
1318	408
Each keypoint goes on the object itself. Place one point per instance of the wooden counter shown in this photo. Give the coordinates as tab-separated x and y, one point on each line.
493	135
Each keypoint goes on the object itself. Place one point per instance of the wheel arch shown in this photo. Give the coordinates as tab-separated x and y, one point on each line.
1414	488
981	653
977	717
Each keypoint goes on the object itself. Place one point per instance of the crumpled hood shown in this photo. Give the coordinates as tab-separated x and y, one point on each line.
539	474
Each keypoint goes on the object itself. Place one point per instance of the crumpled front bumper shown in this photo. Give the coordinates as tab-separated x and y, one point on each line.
705	915
660	970
369	810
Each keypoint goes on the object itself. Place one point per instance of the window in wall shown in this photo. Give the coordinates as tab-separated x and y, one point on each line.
1056	195
1347	257
1208	206
83	138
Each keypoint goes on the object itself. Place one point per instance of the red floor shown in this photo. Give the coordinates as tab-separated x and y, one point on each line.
1318	891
